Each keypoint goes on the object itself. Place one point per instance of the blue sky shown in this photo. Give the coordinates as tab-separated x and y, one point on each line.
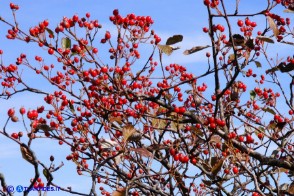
171	17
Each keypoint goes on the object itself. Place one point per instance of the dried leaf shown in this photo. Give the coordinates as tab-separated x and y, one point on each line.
238	39
176	126
158	123
44	127
119	192
217	167
107	144
250	43
265	39
291	188
128	130
273	26
195	49
50	32
207	182
216	139
165	49
27	154
137	136
142	151
197	131
284	187
117	119
286	67
288	11
280	126
174	39
269	110
118	159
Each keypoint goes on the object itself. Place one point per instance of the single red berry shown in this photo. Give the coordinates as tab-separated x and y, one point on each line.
11	112
14	135
240	23
51	51
22	110
235	170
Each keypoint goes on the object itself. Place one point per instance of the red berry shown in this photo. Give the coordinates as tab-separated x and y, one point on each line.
14	135
95	50
235	170
11	112
240	23
50	51
107	35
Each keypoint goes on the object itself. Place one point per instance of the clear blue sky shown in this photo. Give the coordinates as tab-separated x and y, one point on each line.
171	17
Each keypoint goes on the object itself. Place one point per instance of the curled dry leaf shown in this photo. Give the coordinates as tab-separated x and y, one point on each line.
217	167
128	130
288	11
174	39
119	192
238	39
195	49
27	154
135	137
265	39
273	26
142	151
291	188
166	49
44	128
107	144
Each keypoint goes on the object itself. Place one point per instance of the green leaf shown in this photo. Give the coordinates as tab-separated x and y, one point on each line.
252	95
65	43
269	110
50	32
174	39
195	49
258	64
265	39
